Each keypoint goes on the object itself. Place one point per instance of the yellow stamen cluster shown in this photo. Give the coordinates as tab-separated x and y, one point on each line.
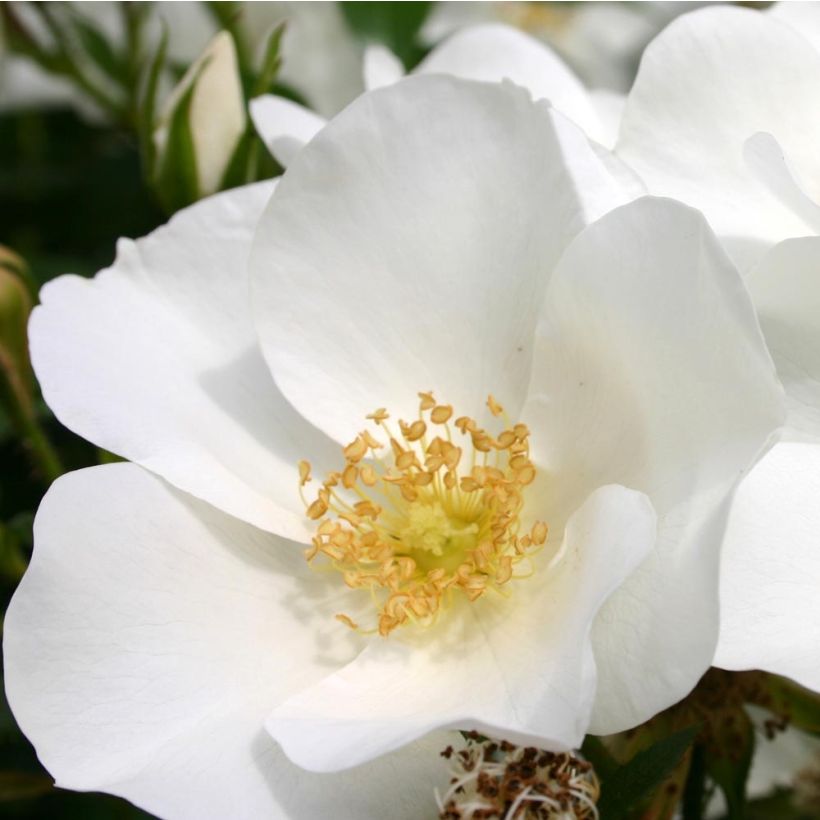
413	520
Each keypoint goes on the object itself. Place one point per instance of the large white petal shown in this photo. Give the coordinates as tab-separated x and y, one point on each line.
493	52
150	638
517	667
284	126
627	387
706	84
770	568
408	246
156	359
785	288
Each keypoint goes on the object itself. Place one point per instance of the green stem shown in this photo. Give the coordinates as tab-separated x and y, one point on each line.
20	408
40	449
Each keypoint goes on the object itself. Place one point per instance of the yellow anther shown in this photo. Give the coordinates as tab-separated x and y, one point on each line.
372	443
350	474
466	424
317	509
495	408
356	450
452	457
414	431
469	484
433	463
407	460
482	442
346	621
441	414
414	536
539	533
436	446
427	401
408	493
526	475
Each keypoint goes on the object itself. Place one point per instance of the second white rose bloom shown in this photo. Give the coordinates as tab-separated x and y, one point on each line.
534	575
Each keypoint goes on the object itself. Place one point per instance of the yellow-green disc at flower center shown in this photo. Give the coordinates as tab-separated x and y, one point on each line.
421	524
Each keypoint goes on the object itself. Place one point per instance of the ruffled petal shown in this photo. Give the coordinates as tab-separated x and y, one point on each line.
156	360
409	245
626	388
149	640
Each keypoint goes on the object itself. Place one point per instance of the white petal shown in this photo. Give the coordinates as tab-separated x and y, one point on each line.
785	288
149	639
284	126
408	245
706	84
517	667
381	67
626	388
770	569
155	359
493	52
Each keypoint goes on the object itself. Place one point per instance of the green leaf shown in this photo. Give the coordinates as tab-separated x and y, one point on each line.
148	103
629	784
96	46
176	178
594	750
271	62
799	706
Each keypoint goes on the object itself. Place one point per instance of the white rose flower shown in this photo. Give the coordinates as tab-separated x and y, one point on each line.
724	115
532	575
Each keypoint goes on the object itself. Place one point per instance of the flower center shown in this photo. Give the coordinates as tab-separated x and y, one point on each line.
423	523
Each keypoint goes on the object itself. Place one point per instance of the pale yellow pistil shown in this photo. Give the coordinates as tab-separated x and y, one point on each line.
419	526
